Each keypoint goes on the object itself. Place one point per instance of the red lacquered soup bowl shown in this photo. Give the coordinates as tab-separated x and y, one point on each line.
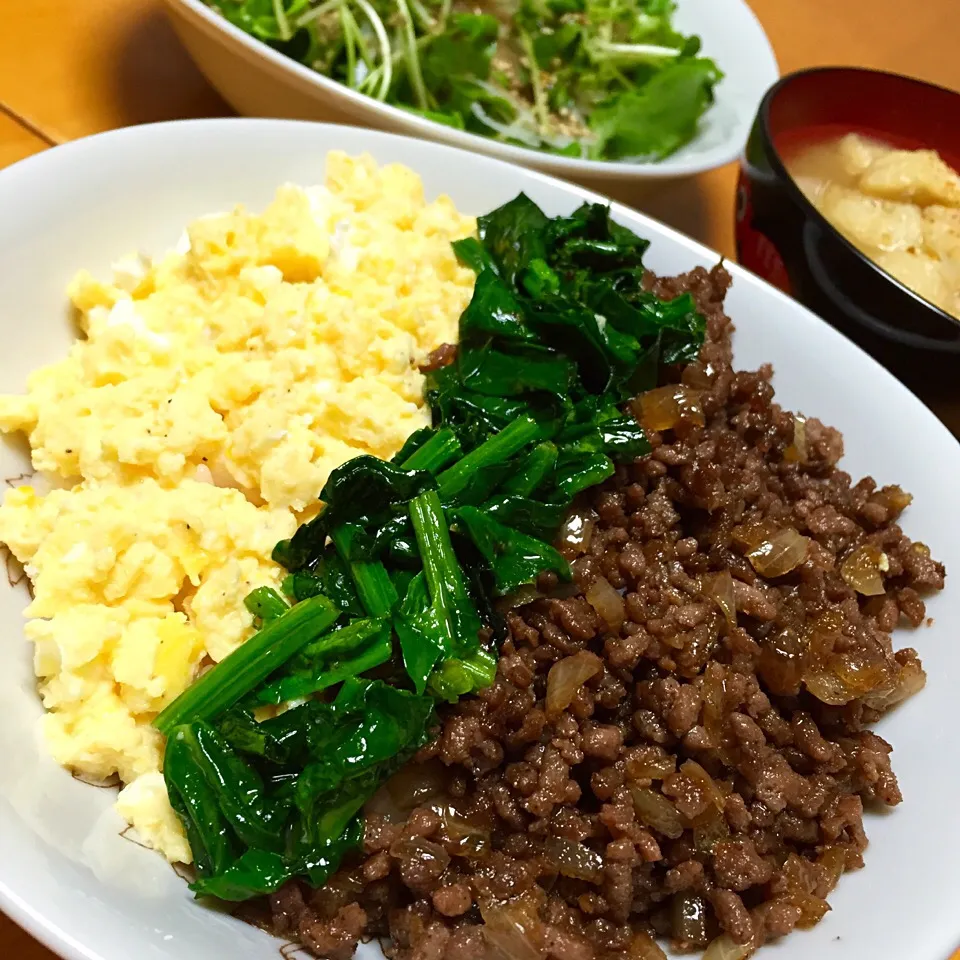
783	238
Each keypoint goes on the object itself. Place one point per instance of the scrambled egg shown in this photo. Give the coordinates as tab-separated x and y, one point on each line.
193	424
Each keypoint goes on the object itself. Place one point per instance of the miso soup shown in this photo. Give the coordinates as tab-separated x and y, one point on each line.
899	207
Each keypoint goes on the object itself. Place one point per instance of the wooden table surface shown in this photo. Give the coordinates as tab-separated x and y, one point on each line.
69	68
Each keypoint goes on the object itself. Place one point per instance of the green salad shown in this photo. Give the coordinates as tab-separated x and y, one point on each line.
593	79
393	602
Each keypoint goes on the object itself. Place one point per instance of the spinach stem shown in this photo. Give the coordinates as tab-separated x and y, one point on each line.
436	453
510	440
448	593
440	566
541	461
196	804
377	592
348	652
265	604
250	664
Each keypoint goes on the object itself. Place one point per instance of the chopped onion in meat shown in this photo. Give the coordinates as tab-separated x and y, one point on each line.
688	918
823	632
607	601
566	677
664	407
718	587
911	679
838	678
573	859
698	376
656	811
413	785
512	928
714	695
773	551
797	451
476	846
643	947
863	570
827	688
426	851
833	862
861	673
844	679
812	909
520	597
470	838
709	829
693	771
895	499
455	825
528	592
651	763
575	533
723	948
782	662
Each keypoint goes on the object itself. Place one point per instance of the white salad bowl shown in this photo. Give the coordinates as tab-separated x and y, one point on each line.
258	81
65	872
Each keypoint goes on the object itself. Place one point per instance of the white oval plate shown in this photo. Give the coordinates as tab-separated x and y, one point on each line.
260	82
64	872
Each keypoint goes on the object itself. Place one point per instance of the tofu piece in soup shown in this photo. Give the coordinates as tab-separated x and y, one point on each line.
869	223
857	153
941	232
912	176
811	188
921	273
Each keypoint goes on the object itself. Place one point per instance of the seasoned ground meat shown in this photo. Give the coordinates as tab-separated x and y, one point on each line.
711	773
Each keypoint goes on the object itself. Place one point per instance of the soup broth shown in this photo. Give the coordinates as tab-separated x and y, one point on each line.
899	207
